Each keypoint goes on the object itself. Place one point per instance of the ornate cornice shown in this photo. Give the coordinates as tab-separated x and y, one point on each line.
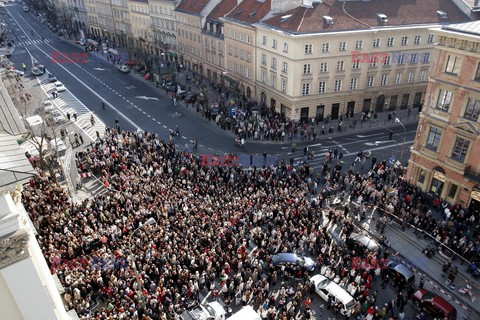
13	249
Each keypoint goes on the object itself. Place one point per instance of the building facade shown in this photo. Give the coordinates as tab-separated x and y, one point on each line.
78	10
163	26
122	34
444	159
141	25
319	60
191	16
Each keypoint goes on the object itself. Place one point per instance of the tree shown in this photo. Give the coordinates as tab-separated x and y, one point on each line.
65	19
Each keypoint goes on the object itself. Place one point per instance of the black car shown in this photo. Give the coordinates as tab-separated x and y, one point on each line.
60	33
191	98
140	68
54	29
401	273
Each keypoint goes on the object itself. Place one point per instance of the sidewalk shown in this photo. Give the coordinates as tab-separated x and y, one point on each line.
407	244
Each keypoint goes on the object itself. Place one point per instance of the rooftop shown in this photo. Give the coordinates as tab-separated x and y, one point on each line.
472	28
365	15
192	6
14	165
224	7
250	11
10	121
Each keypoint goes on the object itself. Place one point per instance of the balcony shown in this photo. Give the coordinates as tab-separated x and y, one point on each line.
471	174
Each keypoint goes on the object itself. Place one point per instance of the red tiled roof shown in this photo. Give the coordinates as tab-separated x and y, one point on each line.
363	15
250	11
192	6
224	7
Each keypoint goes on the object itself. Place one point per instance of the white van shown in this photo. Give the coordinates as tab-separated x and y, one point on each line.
325	286
246	313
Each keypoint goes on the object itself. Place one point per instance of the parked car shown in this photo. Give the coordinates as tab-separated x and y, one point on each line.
401	272
281	259
48	106
81	41
132	63
140	68
51	77
26	9
123	69
365	241
60	33
59	86
54	29
57	117
208	311
37	71
18	72
434	304
325	287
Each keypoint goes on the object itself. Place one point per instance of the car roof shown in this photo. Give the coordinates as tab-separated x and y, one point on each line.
403	269
285	256
333	288
443	304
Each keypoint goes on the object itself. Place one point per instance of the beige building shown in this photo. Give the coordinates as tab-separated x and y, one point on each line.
304	63
163	26
213	41
444	159
78	11
141	25
191	16
121	17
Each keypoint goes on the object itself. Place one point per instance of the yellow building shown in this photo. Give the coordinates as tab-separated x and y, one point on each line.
163	26
121	17
141	25
444	159
310	61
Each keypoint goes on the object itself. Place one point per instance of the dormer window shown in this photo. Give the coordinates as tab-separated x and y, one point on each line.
214	28
208	27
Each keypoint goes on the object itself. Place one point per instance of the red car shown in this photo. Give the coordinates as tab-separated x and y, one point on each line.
434	304
132	63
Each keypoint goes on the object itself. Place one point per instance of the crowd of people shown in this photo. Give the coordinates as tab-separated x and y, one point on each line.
205	221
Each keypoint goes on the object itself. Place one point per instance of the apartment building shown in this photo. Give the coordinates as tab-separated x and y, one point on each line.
141	25
191	16
444	159
163	26
213	41
78	10
323	59
122	33
94	27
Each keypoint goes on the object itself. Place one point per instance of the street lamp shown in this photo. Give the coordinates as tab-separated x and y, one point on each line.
132	258
404	137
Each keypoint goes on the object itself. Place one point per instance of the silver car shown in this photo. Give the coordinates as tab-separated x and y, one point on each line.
57	117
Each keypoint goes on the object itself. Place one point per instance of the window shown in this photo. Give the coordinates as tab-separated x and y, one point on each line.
326	47
423	75
416	40
373	62
285	67
453	65
340	66
413	58
444	100
323	67
430	38
274	63
359	45
460	149
248	57
421	176
308	49
384	80
230	65
242	54
284	85
356	64
398	78
353	83
274	80
274	43
306	68
425	57
433	140
390	42
230	50
248	39
338	85
322	87
410	76
285	47
404	41
264	76
342	46
235	52
452	191
264	58
264	40
248	72
370	81
473	109
306	89
386	61
401	58
376	43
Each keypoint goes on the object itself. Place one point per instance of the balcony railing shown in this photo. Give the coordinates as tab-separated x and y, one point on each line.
471	174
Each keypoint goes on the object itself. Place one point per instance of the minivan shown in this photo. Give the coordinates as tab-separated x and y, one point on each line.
325	287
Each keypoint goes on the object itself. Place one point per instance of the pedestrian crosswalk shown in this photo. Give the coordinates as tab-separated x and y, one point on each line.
32	42
68	104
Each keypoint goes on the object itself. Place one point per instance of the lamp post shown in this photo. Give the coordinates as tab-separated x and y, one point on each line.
132	258
404	137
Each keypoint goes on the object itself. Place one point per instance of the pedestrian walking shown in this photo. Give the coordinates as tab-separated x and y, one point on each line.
68	116
77	141
103	105
177	131
75	116
81	138
92	120
422	281
390	135
195	145
385	281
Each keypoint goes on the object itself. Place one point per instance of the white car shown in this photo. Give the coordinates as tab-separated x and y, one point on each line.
209	311
19	72
123	69
48	106
59	86
57	117
325	287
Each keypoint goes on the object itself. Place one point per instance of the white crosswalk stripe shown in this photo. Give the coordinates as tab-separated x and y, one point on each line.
32	42
68	104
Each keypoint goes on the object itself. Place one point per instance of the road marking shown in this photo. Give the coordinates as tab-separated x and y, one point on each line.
184	137
166	127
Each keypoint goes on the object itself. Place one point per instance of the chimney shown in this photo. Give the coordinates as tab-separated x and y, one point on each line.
328	20
307	4
382	18
442	14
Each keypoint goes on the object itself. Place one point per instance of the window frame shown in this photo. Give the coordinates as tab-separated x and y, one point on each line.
305	89
463	150
433	142
453	69
475	110
444	106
